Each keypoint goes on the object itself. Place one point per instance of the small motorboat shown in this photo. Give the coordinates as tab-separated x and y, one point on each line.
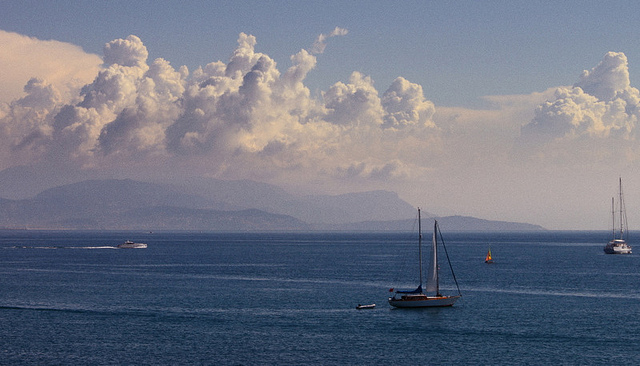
131	245
370	306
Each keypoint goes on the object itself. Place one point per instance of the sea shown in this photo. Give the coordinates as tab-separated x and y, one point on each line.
204	298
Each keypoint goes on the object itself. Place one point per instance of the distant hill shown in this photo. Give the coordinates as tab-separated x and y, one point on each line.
209	204
361	206
25	183
448	223
238	193
468	223
128	204
173	218
325	209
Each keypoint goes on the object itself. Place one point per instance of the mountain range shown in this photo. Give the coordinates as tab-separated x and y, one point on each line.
211	204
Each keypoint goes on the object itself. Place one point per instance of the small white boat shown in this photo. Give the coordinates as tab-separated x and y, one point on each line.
370	306
618	245
418	298
131	245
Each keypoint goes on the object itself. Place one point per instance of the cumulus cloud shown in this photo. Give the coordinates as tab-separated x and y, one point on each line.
243	115
391	170
126	52
406	105
355	103
247	115
601	105
65	66
608	78
27	121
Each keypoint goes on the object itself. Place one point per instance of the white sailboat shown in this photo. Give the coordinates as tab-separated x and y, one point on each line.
618	245
419	298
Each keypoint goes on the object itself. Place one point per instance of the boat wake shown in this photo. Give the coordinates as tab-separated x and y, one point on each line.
82	310
558	293
61	247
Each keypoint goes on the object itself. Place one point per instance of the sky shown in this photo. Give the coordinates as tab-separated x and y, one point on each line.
520	111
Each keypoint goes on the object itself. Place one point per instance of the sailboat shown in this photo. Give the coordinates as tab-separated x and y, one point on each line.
488	258
419	298
618	244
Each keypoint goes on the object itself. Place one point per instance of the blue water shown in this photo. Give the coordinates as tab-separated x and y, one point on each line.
289	299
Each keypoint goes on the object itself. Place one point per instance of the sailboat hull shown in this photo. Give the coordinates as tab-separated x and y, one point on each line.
423	301
617	247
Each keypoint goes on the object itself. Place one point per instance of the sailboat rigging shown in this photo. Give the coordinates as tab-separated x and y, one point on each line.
618	245
419	298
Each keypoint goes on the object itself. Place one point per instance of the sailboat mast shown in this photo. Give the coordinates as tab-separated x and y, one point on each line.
621	208
434	260
420	245
613	218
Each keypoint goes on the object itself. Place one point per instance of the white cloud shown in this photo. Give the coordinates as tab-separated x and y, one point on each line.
354	104
405	105
243	112
126	52
602	108
67	67
321	42
27	121
608	78
392	170
242	116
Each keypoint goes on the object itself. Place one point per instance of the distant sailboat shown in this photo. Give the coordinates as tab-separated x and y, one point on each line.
418	298
618	245
488	258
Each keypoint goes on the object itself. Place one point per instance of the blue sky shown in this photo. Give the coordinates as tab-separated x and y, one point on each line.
505	110
458	51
